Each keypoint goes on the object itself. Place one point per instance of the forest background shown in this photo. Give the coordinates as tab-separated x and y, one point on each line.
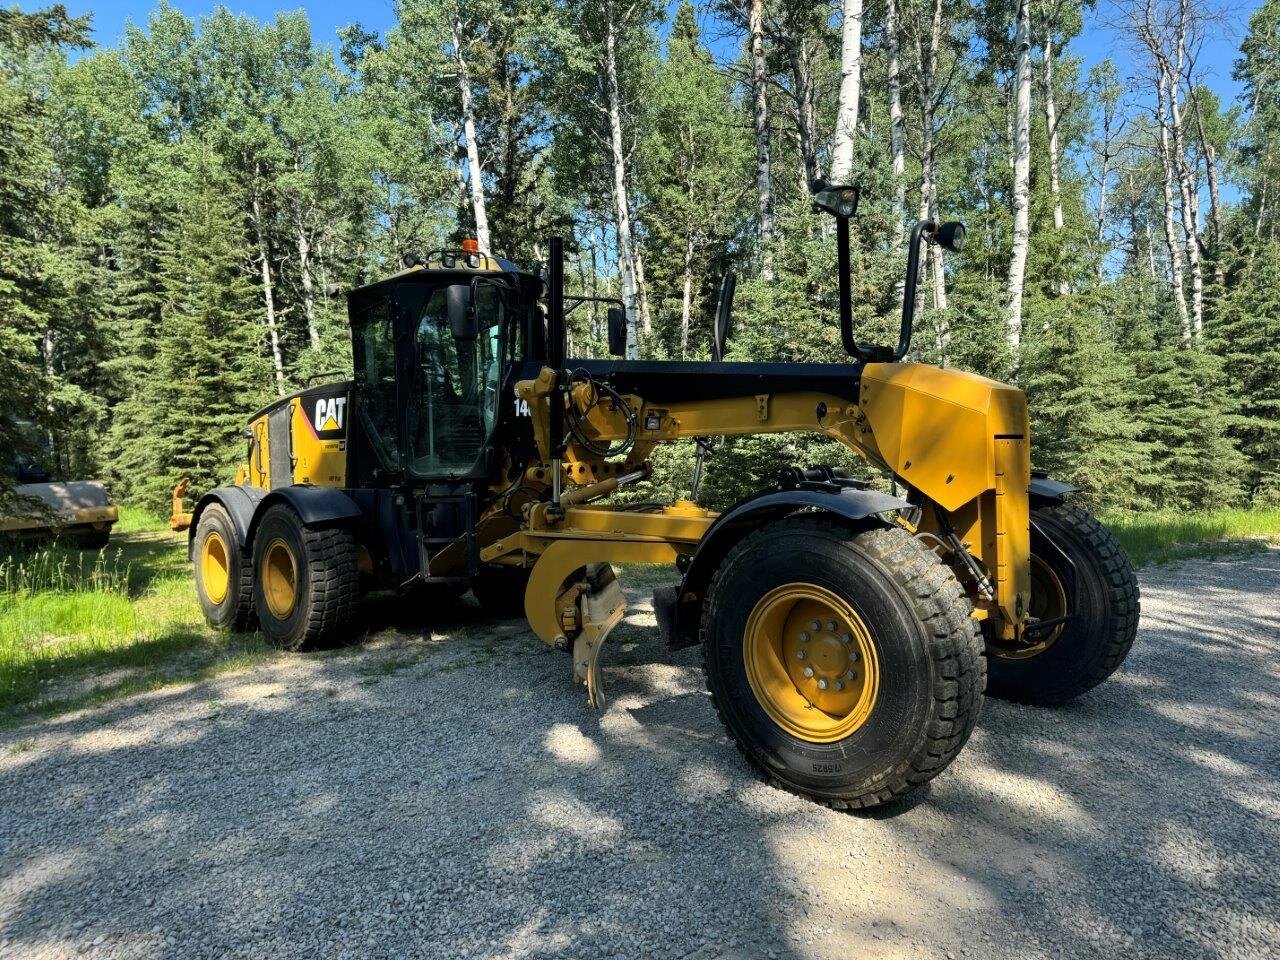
181	206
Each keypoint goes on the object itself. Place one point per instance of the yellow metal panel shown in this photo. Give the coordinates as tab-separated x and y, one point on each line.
319	461
1013	528
935	428
260	455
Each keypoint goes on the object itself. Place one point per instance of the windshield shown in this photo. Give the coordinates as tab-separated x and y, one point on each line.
458	365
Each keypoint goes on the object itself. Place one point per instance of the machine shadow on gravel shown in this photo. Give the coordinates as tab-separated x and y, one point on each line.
326	805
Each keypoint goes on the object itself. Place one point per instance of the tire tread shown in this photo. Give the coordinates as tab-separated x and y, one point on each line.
955	646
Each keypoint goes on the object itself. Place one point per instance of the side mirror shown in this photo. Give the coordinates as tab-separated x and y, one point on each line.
724	313
462	319
838	201
950	236
617	332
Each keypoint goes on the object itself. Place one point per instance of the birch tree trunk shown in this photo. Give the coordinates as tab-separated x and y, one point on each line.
268	291
1190	208
1174	251
307	283
1021	175
642	287
897	138
476	183
800	60
686	295
1186	180
1210	154
1051	123
764	175
627	261
850	91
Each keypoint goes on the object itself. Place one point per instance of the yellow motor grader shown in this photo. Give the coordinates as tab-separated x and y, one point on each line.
847	635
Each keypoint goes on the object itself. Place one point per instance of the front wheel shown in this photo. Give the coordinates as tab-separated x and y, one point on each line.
844	663
1080	572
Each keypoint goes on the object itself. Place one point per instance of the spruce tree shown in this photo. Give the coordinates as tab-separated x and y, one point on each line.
1245	334
208	369
1080	391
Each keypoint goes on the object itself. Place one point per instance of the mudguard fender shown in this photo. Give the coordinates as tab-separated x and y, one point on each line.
679	609
1043	488
240	502
316	506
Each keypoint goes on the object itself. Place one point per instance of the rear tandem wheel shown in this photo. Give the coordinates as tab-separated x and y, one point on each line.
306	584
224	577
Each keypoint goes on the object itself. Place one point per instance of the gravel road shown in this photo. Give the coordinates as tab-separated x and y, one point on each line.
449	794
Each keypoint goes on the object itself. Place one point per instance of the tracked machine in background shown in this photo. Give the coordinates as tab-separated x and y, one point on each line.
847	635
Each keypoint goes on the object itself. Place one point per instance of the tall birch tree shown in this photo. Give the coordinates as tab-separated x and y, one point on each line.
1021	190
850	91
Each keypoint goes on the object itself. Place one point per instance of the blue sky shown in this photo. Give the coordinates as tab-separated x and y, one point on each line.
327	16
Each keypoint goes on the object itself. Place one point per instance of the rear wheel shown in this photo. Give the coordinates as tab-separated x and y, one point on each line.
306	583
844	663
1079	571
224	577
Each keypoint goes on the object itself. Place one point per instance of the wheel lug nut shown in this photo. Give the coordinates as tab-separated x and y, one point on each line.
799	654
831	625
822	684
814	625
846	639
808	671
853	656
839	684
849	674
804	636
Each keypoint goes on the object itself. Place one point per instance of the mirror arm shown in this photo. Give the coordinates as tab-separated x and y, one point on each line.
574	302
843	268
919	234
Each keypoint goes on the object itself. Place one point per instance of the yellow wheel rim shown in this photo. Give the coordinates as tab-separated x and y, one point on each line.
279	579
215	568
811	662
1048	602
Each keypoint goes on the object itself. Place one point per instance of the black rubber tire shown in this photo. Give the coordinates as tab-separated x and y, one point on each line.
500	591
93	540
1104	606
932	668
327	586
236	610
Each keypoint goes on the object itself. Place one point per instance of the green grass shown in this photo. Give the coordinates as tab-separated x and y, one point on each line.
1160	537
78	628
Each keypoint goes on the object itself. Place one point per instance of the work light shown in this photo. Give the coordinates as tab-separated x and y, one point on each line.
837	201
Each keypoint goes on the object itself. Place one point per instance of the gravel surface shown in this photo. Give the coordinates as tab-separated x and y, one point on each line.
449	794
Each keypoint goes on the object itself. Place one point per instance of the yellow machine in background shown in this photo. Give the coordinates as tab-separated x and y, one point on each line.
847	635
74	512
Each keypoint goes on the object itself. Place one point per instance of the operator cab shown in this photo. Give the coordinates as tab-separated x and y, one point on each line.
432	346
